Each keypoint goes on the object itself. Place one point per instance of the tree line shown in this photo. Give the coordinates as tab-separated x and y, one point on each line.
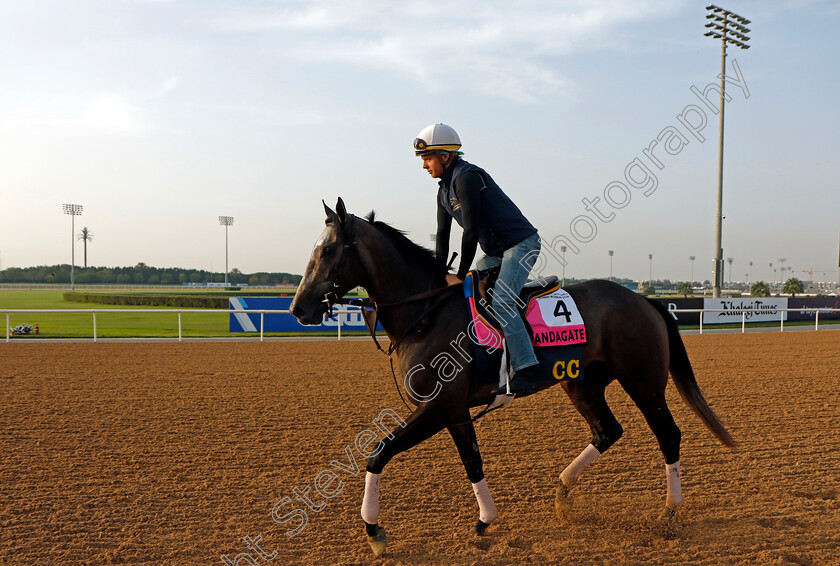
140	274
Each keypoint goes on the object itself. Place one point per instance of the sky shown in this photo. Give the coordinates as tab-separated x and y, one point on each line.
159	116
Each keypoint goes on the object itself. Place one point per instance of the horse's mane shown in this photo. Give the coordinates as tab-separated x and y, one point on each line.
421	255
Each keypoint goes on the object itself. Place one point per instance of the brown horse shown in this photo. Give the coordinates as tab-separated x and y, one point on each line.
630	339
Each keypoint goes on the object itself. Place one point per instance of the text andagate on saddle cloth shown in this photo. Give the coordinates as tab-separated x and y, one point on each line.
555	320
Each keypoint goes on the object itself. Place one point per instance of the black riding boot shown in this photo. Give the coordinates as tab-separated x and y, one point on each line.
524	381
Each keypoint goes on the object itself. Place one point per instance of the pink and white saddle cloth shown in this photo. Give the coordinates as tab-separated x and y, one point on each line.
550	314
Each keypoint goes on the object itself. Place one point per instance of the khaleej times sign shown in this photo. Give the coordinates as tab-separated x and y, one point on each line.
751	309
241	320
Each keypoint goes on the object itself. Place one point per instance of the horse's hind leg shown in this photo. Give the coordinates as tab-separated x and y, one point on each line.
668	435
588	399
467	444
655	410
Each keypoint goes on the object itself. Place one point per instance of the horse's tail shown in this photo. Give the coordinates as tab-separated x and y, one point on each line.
684	379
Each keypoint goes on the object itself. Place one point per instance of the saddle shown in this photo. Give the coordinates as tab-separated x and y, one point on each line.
480	282
551	318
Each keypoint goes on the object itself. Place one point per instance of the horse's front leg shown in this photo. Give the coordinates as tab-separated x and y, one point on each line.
467	444
422	424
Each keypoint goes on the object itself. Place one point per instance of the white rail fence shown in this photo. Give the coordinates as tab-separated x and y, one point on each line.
748	312
343	311
8	312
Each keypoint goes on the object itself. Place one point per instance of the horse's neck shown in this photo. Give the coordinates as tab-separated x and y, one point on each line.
395	285
392	279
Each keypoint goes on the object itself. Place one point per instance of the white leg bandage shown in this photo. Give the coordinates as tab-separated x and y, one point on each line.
486	507
370	502
674	498
570	475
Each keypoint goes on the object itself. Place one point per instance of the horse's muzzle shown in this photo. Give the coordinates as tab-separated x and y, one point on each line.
308	317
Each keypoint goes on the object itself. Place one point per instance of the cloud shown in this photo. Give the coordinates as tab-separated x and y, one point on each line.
109	113
168	86
104	113
505	49
273	115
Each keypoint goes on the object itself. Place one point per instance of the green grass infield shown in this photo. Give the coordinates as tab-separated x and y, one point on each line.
125	324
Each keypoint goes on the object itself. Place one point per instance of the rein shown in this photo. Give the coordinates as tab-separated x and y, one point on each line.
374	306
440	292
367	304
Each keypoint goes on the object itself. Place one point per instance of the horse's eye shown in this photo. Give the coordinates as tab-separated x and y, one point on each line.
326	251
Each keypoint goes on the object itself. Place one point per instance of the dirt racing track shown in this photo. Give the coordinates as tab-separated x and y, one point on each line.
171	453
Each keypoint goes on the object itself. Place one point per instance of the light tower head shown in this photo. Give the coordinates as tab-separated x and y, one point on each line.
727	26
226	220
72	209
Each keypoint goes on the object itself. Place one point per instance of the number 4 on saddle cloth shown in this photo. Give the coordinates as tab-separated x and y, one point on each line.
553	321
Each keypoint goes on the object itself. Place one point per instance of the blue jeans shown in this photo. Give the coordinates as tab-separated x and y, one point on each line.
516	263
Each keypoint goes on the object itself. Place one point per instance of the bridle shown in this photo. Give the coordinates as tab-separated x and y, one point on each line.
331	298
419	324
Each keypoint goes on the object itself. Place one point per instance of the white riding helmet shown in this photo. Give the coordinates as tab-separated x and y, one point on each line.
437	137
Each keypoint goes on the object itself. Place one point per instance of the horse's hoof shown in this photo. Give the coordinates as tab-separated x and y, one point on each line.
480	528
668	515
668	524
378	542
562	503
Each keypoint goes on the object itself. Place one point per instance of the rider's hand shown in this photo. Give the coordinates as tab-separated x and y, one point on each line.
453	279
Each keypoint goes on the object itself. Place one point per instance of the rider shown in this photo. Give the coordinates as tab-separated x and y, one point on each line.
489	219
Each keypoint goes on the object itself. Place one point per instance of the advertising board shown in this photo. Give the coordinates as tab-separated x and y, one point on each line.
754	309
241	320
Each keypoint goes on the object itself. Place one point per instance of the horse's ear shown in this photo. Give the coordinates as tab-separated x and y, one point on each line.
341	212
330	212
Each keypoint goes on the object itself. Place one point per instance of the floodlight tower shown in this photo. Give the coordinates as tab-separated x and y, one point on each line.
73	210
611	253
226	221
563	251
729	28
691	258
650	272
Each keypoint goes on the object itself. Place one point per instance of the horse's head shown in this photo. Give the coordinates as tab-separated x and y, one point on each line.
333	268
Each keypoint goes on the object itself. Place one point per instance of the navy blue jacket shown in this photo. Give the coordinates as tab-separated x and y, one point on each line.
501	224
